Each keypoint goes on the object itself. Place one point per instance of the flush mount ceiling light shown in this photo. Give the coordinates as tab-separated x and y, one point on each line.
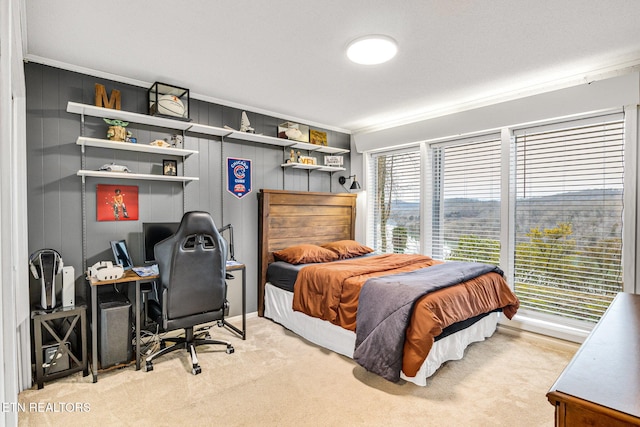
371	50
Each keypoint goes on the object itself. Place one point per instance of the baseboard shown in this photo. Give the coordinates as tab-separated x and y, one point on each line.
238	318
540	338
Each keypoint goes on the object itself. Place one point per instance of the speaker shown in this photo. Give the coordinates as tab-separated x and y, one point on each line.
68	287
114	329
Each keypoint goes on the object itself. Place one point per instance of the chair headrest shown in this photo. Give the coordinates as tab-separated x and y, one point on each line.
196	222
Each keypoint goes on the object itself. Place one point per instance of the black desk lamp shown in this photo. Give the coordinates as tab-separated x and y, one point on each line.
230	240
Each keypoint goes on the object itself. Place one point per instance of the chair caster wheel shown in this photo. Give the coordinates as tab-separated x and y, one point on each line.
148	367
196	370
230	350
220	323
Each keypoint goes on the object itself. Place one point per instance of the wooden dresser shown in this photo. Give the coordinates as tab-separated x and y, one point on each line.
601	384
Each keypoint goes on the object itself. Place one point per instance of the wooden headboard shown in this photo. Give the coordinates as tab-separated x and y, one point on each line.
288	218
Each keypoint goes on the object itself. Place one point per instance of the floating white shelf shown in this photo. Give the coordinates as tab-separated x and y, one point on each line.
312	167
317	148
331	169
262	139
128	146
140	176
281	142
208	130
91	110
300	166
127	116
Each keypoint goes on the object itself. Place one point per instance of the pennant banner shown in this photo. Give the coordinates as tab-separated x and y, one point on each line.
238	176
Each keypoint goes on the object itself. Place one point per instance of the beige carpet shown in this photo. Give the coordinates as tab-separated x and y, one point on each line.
276	378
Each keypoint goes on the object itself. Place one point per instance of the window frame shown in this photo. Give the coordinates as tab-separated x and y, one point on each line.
552	126
540	323
428	191
371	237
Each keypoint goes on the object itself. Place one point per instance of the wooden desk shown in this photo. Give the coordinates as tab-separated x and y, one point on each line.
601	384
129	276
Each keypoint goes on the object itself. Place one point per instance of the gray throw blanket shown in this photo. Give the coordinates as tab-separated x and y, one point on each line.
385	306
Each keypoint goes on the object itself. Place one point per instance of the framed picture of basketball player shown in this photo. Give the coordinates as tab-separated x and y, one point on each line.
116	202
169	167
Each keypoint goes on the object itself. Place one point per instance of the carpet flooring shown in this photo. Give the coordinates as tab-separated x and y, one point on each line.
276	378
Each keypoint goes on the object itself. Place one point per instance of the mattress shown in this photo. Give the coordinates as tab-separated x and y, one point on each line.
283	275
278	303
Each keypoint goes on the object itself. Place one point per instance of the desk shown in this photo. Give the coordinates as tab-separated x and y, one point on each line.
78	324
231	267
601	384
129	276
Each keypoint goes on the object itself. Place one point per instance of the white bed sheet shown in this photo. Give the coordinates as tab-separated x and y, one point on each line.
278	307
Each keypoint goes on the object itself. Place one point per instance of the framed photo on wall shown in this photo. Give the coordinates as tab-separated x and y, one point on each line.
116	202
170	167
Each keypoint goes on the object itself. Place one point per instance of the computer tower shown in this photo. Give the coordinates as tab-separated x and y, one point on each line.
68	287
114	329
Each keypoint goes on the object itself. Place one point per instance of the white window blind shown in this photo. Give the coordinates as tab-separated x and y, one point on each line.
395	202
568	217
466	201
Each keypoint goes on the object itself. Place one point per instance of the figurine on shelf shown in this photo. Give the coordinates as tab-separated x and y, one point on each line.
298	159
160	143
245	125
130	138
116	131
292	156
177	141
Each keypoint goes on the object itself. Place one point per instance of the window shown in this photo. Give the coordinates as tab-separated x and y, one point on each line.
546	205
394	218
466	200
568	217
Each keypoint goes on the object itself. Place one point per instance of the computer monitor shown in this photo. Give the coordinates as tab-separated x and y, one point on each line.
155	232
121	254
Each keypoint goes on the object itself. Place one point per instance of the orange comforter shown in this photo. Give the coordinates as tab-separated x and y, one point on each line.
330	291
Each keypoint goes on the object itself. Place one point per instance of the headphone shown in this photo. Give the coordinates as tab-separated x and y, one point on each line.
35	259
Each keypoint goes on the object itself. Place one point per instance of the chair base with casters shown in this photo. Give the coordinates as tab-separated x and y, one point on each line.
188	343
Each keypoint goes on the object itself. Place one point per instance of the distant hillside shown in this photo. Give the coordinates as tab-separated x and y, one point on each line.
592	213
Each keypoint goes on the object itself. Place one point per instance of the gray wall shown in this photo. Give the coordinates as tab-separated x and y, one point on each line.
54	189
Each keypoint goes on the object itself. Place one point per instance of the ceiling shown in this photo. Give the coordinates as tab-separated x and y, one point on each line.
287	57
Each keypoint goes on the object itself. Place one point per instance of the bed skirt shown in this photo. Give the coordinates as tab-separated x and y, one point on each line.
278	305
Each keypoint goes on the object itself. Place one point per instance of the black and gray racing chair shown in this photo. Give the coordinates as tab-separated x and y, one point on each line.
192	266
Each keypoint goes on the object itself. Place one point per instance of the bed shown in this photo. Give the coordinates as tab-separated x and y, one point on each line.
290	219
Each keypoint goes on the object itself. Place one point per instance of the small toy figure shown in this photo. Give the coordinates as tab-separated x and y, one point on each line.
245	125
116	131
292	156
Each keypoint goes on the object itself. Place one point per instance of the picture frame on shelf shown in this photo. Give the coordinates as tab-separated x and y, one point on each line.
169	167
317	137
336	161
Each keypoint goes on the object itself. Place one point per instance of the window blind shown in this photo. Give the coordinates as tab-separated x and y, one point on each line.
568	217
395	207
466	201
